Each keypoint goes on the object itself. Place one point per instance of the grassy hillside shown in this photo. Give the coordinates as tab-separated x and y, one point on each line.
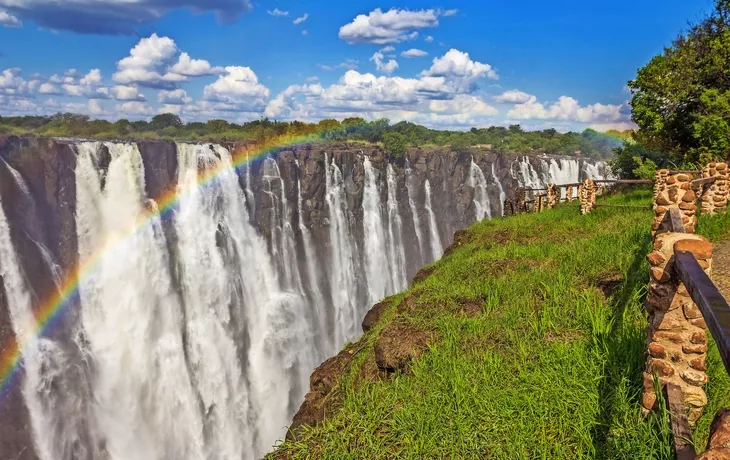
535	336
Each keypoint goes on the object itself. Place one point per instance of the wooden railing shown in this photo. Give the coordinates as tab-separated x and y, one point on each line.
682	302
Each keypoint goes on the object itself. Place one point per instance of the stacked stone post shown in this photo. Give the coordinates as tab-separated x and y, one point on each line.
587	196
539	203
660	182
715	195
509	207
553	196
674	191
520	196
569	194
677	337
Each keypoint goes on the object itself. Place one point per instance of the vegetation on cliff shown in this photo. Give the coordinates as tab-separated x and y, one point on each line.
526	340
399	136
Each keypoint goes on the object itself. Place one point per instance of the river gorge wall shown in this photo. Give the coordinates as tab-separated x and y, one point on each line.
213	280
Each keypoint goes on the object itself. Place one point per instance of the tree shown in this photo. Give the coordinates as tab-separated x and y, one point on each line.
395	144
163	120
681	98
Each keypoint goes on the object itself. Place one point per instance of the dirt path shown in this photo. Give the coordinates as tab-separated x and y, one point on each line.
721	267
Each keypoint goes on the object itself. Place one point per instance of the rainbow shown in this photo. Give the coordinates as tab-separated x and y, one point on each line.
49	312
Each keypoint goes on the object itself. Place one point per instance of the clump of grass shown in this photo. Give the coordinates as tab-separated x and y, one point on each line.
551	368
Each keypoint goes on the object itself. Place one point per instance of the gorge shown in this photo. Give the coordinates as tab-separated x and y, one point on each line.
212	279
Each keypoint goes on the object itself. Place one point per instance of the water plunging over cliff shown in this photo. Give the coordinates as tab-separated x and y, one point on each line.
209	294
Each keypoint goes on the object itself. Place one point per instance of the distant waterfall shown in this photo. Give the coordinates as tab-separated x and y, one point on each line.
481	194
396	246
200	317
502	193
318	306
414	212
436	249
343	282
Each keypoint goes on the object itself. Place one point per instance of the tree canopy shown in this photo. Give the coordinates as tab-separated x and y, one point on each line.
395	137
681	98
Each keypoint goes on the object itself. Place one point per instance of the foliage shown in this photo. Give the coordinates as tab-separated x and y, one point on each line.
635	161
512	140
394	144
549	368
681	98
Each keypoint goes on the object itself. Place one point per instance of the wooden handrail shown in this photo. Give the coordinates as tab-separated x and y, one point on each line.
678	419
675	221
703	181
715	309
624	181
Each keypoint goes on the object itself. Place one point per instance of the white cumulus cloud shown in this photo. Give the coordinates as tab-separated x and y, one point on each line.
512	97
381	65
393	26
414	53
152	63
239	87
174	97
127	93
568	108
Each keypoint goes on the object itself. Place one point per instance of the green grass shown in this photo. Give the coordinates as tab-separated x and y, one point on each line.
549	369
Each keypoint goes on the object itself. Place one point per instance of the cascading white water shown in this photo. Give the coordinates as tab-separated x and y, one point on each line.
396	246
502	193
284	239
197	333
342	271
318	306
55	392
233	297
436	248
414	213
146	407
377	262
481	194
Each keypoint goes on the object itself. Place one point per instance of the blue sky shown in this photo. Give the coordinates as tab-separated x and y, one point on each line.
449	64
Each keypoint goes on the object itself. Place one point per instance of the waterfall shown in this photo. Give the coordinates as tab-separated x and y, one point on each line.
144	400
396	246
414	213
481	194
343	282
233	298
377	262
280	224
324	323
502	193
199	320
436	248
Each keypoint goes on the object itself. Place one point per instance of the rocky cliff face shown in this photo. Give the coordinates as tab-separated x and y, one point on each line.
289	252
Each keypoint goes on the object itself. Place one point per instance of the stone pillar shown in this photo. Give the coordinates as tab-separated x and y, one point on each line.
553	196
674	192
509	207
587	196
677	337
718	446
538	203
660	182
715	195
520	195
569	194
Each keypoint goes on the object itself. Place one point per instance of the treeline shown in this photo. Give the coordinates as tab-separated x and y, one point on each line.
681	102
395	137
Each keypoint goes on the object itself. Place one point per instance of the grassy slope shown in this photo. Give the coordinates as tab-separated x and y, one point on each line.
549	369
